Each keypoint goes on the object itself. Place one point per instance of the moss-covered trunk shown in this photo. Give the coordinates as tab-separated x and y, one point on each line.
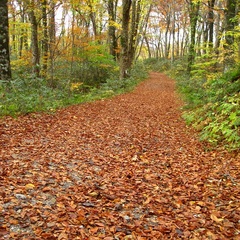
5	67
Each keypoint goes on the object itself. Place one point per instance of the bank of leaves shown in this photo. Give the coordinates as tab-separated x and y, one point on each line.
212	99
121	169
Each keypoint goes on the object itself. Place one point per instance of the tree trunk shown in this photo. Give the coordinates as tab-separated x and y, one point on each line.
173	33
45	38
34	42
230	13
218	29
177	49
125	38
205	32
143	30
193	14
14	39
52	40
113	45
166	44
5	68
148	47
92	15
133	41
211	22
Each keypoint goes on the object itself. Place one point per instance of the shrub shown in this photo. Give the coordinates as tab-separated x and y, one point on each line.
213	107
28	94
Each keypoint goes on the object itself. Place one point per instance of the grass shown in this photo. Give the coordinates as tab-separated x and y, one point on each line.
25	95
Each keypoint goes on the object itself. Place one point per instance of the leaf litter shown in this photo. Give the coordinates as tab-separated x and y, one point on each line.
122	168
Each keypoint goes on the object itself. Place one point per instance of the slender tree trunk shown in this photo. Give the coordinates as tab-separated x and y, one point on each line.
160	47
34	42
205	31
45	38
93	19
166	48
193	14
173	33
143	30
125	38
211	22
184	39
200	39
14	39
52	39
21	39
113	44
148	47
230	13
218	30
73	41
5	67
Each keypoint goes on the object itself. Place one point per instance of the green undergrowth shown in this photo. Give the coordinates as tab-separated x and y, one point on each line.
26	94
212	100
213	107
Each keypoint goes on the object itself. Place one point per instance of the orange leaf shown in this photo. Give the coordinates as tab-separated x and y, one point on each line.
63	236
216	219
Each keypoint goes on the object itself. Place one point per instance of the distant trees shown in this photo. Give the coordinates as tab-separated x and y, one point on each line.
194	28
5	67
46	36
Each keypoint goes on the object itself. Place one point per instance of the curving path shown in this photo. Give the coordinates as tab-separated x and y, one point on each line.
122	168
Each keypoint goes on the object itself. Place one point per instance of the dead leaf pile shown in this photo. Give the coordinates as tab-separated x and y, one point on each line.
125	168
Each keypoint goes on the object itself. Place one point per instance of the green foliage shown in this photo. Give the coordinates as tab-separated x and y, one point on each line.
158	65
213	107
26	95
94	66
115	86
223	125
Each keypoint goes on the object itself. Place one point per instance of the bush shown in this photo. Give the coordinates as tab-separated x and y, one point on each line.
158	65
213	107
28	94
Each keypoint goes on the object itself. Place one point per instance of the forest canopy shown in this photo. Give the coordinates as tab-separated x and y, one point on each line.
48	36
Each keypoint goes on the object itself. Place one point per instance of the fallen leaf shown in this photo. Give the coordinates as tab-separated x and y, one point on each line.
29	186
216	219
62	236
148	200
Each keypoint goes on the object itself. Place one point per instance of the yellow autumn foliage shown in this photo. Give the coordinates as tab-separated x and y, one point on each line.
24	61
75	86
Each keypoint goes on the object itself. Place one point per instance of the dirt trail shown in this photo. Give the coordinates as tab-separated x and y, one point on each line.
122	168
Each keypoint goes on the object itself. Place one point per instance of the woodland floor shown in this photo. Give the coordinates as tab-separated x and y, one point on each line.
123	168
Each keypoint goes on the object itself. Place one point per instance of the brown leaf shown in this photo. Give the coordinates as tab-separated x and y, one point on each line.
216	219
148	200
127	167
62	236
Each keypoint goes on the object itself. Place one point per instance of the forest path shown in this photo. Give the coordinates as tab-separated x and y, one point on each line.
121	168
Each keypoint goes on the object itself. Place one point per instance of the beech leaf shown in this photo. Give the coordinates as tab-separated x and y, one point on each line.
216	219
